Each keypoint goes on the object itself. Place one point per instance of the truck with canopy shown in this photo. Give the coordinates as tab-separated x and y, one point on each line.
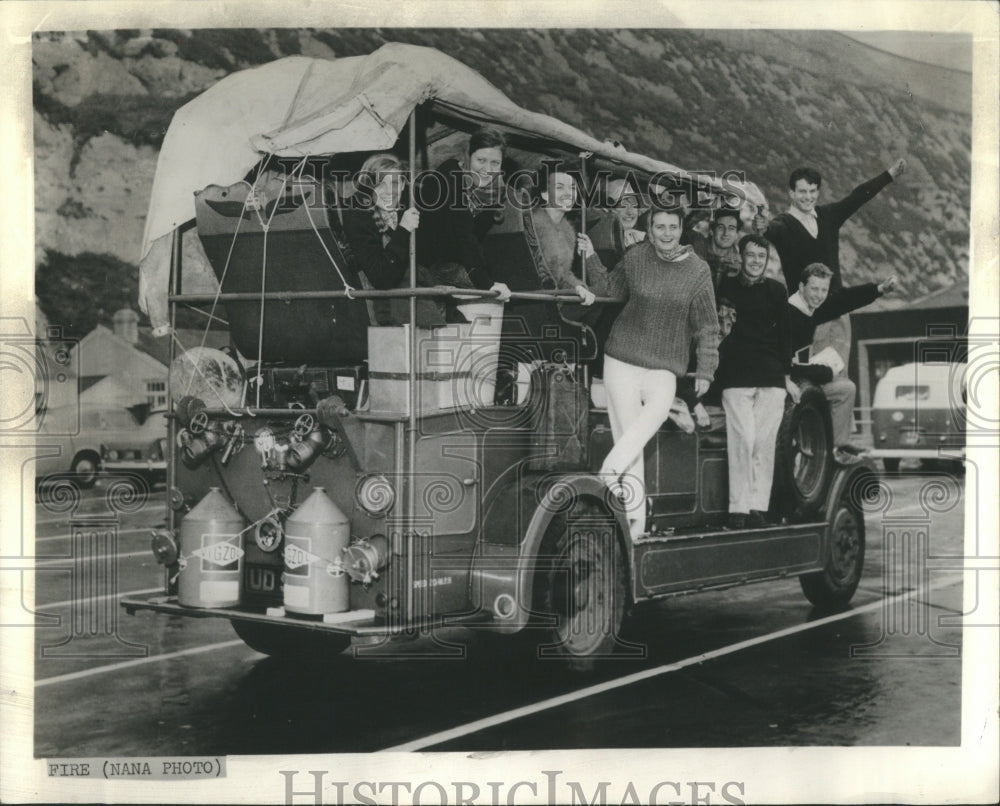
333	481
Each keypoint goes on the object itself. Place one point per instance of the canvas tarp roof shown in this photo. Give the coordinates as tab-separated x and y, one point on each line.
299	106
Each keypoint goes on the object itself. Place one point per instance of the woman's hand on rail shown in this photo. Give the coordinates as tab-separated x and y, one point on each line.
584	245
585	293
503	292
410	220
701	386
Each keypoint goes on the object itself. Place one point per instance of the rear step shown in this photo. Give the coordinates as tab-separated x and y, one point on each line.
356	623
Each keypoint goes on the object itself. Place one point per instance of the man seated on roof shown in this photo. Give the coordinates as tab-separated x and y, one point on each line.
809	307
719	249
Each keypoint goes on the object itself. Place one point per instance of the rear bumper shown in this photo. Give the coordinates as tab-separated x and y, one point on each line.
136	465
359	624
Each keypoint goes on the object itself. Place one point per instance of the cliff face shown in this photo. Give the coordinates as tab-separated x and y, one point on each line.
760	102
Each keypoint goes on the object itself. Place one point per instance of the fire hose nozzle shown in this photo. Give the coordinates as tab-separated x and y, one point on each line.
164	546
363	560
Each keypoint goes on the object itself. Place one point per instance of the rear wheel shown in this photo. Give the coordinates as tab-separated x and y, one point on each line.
290	643
845	558
85	468
803	463
582	585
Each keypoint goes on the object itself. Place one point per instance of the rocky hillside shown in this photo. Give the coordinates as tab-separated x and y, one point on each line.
760	102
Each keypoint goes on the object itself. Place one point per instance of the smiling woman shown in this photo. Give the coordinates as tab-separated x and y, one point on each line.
669	305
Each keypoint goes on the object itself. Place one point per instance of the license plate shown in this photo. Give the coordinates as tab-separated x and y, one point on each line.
261	580
911	438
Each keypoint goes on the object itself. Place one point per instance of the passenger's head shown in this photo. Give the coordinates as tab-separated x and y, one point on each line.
803	188
814	284
556	187
725	227
625	202
486	149
698	221
665	227
384	176
754	251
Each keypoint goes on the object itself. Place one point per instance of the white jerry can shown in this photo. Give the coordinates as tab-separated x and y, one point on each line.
210	563
315	535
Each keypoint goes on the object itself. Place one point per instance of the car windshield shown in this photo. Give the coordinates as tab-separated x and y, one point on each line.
108	419
909	393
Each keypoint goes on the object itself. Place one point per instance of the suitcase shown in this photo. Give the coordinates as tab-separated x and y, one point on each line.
560	413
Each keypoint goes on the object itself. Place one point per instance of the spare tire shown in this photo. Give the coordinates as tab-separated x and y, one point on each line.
803	462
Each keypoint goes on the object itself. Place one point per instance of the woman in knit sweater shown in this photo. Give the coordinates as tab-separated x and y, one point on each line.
755	360
669	305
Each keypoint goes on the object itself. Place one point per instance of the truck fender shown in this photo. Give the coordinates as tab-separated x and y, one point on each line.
503	582
861	482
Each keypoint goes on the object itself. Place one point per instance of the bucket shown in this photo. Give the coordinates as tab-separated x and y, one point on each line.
315	535
211	554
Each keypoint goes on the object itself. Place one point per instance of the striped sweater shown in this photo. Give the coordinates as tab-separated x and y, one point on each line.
669	306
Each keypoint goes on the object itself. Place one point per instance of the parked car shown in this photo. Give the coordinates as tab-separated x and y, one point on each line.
143	452
918	412
80	432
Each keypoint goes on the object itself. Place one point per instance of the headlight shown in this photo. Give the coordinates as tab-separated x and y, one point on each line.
112	455
375	495
897	416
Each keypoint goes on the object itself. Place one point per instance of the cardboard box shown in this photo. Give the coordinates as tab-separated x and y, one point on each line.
456	363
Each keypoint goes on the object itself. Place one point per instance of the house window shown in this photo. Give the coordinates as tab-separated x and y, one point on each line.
156	394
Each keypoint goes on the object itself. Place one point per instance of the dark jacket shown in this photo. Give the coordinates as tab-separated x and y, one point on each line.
803	327
450	233
797	248
758	350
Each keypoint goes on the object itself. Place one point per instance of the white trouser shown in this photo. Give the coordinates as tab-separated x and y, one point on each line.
639	402
840	395
753	416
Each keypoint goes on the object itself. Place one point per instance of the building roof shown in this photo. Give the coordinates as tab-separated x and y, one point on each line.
953	296
159	347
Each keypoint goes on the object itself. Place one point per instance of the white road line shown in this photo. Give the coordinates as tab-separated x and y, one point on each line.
145	529
82	514
65	602
128	664
137	530
68	560
610	685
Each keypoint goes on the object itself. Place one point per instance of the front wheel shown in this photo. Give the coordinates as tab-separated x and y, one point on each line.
290	643
845	559
85	468
582	586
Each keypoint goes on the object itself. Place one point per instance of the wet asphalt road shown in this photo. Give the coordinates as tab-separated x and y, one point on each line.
885	672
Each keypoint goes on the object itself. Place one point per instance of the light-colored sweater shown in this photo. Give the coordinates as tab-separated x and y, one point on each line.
670	306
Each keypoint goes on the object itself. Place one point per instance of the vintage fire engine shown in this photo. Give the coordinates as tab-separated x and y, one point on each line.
332	482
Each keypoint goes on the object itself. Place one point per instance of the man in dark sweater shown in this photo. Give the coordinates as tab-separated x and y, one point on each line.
810	306
808	233
754	375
